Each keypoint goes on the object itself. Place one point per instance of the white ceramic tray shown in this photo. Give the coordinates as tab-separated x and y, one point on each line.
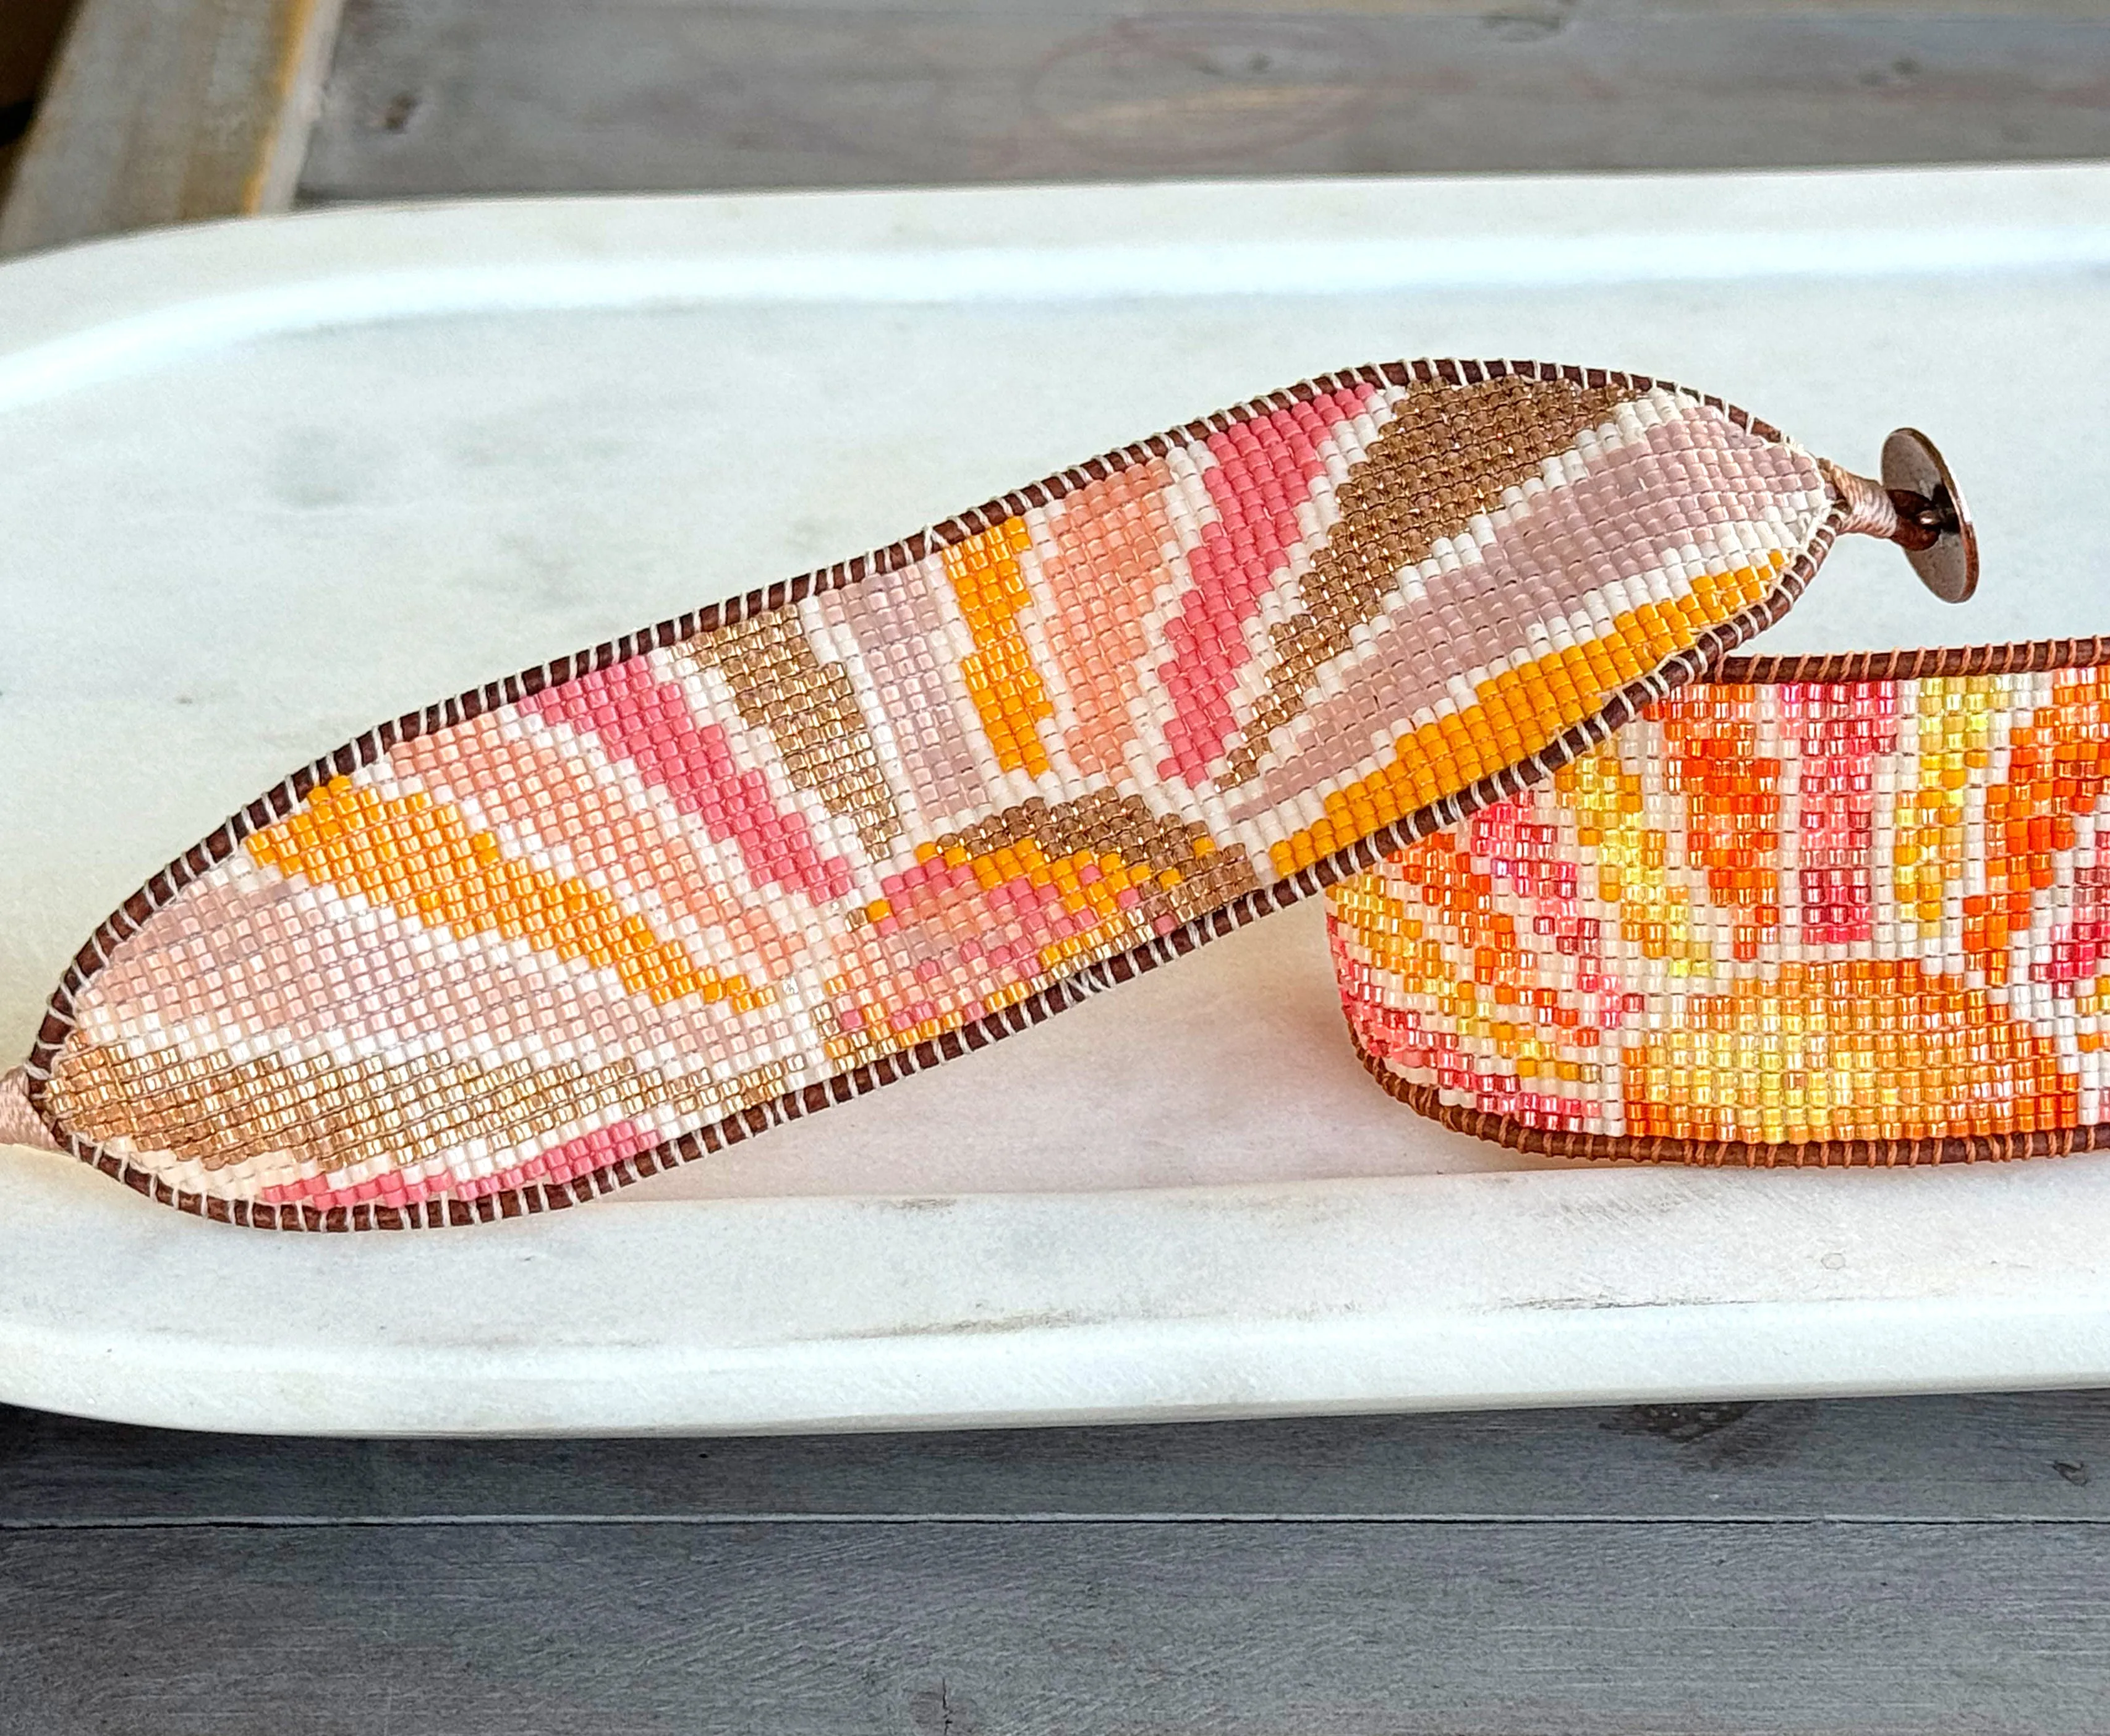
264	484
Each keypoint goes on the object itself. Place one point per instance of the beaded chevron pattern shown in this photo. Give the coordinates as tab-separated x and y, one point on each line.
510	952
1838	919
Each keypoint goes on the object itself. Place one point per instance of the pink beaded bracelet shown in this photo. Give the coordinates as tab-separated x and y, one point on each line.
1449	641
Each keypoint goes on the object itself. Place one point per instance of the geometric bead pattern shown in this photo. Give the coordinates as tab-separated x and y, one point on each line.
1817	920
609	915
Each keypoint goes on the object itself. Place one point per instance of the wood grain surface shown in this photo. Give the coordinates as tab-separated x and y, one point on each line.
1923	1564
30	31
166	111
438	97
2026	1457
1289	1629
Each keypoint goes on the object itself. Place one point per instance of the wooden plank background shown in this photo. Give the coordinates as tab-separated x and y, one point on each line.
29	37
1294	1628
165	111
2023	1459
168	111
468	96
1925	1565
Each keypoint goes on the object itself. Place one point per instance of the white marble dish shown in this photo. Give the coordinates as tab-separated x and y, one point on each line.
268	483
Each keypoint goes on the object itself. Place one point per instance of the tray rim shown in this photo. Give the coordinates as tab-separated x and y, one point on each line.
82	314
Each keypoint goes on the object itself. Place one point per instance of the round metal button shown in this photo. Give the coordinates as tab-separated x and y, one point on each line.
1927	497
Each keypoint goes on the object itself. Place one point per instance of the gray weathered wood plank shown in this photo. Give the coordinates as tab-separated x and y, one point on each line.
165	111
1357	1629
2024	1458
30	31
434	97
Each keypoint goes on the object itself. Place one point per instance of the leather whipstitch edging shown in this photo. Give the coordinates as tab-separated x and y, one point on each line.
1360	856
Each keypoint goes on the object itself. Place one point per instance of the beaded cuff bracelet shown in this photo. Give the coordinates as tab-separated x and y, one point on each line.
1806	910
609	915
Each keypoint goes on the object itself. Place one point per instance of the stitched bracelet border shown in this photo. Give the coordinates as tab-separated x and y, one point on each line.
276	802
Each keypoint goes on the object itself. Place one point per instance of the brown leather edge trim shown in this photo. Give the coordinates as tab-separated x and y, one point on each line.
1621	709
1833	669
1603	1148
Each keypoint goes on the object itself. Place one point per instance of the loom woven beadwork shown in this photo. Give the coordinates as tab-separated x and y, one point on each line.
1828	920
589	922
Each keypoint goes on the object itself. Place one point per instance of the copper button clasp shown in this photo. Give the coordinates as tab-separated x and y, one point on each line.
1918	506
1934	524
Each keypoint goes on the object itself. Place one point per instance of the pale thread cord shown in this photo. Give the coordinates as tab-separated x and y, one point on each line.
18	1123
1870	510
